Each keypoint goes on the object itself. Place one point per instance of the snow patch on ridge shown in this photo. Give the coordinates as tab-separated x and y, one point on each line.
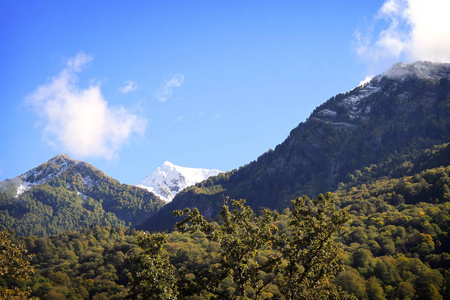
353	100
327	113
41	175
169	179
88	181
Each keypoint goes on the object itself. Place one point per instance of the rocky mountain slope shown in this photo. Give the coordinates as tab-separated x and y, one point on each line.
404	110
169	179
65	194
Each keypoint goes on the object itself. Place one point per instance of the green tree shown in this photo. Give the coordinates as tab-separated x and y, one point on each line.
255	260
300	262
374	289
14	267
155	276
241	237
352	282
310	255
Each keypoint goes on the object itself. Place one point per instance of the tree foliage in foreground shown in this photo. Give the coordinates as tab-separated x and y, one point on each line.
256	259
155	276
14	267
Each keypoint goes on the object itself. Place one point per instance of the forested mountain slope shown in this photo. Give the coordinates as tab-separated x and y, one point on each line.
396	245
403	111
399	233
64	194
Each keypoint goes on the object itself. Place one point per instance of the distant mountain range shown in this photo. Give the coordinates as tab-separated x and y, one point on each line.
401	112
168	180
64	194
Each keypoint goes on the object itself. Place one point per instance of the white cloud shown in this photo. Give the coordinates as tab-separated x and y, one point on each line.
80	121
366	80
412	30
129	86
76	63
166	91
431	31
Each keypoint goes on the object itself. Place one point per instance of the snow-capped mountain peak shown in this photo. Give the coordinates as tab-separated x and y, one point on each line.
349	109
169	179
46	172
42	173
49	170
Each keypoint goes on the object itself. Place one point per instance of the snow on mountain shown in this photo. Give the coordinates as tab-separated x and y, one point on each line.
357	104
168	180
48	171
39	175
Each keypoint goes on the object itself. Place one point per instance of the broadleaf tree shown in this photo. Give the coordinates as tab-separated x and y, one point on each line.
155	276
298	263
15	267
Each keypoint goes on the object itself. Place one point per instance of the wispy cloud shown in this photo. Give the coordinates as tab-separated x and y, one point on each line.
80	121
166	90
76	63
128	86
411	30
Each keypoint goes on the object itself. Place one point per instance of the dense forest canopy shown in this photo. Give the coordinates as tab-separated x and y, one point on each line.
395	246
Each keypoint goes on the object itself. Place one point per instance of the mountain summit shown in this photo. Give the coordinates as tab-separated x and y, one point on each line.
169	179
65	194
419	69
39	175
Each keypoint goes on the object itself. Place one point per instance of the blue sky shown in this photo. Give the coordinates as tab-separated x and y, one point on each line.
127	85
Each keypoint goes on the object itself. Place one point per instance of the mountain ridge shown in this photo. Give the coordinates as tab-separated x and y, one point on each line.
64	194
390	114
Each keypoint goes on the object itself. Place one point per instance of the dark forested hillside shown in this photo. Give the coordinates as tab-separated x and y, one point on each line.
64	194
400	112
